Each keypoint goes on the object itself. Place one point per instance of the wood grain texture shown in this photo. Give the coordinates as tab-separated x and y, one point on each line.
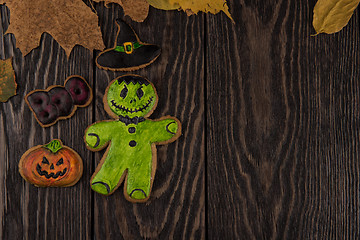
28	212
270	115
282	125
176	208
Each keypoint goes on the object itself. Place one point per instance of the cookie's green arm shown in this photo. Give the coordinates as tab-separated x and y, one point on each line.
166	129
99	134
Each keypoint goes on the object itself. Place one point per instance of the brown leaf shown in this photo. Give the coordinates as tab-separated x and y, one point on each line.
137	10
7	80
193	7
69	22
330	16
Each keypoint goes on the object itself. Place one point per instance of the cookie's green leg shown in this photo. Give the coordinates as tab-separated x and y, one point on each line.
139	182
109	176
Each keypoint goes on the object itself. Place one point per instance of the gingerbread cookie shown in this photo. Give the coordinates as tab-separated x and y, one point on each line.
130	138
129	53
59	102
51	165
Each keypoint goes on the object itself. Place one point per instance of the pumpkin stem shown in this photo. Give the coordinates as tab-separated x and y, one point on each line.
54	146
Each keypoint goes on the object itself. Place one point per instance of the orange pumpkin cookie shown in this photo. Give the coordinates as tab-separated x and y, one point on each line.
51	165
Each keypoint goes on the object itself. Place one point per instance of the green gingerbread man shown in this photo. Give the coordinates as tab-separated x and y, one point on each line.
131	138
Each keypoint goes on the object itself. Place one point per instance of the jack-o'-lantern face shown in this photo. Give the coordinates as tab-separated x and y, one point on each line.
51	165
131	96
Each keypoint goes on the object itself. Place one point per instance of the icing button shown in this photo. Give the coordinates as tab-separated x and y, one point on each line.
132	143
132	130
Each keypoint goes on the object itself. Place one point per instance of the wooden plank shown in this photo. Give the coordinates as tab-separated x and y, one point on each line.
176	208
282	125
28	212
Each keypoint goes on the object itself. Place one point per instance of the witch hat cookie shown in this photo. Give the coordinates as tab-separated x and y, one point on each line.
129	53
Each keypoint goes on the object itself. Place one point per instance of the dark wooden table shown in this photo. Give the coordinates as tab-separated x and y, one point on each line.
270	144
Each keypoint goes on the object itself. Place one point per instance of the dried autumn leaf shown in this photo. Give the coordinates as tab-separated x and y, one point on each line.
164	5
69	22
193	7
330	16
137	10
7	80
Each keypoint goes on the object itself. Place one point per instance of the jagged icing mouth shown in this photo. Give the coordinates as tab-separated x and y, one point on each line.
50	175
131	110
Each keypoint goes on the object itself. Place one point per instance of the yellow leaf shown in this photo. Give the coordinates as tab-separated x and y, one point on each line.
330	16
7	80
192	6
164	5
